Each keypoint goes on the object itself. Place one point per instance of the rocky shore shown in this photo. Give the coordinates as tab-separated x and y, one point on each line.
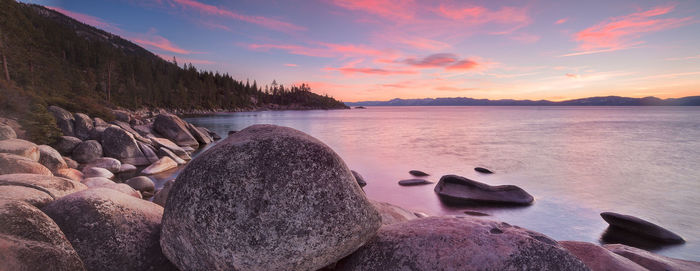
264	198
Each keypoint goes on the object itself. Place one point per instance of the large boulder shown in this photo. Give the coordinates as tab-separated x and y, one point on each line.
30	240
126	127
641	227
6	132
121	145
53	187
20	147
82	126
96	133
392	214
159	166
457	190
10	163
175	129
162	195
66	144
64	120
652	261
598	258
266	198
51	159
87	151
441	243
142	184
201	136
110	230
148	151
109	163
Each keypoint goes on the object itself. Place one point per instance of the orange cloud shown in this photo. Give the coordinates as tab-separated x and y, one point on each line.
561	21
479	15
449	61
463	65
373	71
393	9
259	20
621	32
161	43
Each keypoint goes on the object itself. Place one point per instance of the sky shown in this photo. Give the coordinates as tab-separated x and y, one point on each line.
379	50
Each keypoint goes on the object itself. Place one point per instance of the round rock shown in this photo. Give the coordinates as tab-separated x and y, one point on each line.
266	198
10	163
121	144
66	144
87	151
6	132
142	184
51	159
53	187
20	147
90	172
108	163
82	126
599	258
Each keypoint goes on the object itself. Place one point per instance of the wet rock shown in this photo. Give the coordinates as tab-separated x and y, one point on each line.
475	213
392	214
6	132
66	144
108	163
163	152
121	145
159	166
652	261
148	151
162	195
110	230
418	173
483	170
232	132
211	133
51	159
598	258
360	180
71	174
70	162
20	147
87	151
143	185
641	227
64	120
90	172
82	126
411	182
54	187
267	198
30	240
175	129
10	163
453	189
437	243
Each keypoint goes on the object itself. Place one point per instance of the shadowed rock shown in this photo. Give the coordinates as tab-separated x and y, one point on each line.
163	151
148	151
483	170
142	184
175	129
266	198
82	126
87	151
177	150
6	132
162	195
360	180
418	173
64	120
652	261
641	227
20	147
66	144
121	145
201	136
51	159
439	243
412	182
453	189
598	258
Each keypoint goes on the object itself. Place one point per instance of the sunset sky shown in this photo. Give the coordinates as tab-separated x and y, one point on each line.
378	50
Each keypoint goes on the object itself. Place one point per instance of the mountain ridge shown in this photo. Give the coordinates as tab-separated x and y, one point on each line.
589	101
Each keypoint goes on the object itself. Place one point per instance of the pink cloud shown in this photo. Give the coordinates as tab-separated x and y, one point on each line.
161	43
258	20
373	71
561	21
573	76
87	19
450	62
393	9
291	65
480	15
463	65
324	49
621	32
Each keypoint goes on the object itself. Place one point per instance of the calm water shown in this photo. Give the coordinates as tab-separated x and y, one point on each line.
576	161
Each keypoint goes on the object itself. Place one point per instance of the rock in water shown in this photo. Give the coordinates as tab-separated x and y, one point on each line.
142	184
159	166
652	261
598	258
483	170
20	147
87	151
121	145
360	180
64	120
453	189
30	240
201	136
66	144
641	227
412	182
418	173
110	230
51	159
175	129
266	198
440	243
82	126
6	132
10	163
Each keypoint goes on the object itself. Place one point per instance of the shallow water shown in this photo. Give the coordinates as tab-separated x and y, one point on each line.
576	161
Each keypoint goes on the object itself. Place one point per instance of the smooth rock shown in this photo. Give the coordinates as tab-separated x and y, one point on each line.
6	132
161	196
127	168
453	189
201	136
162	152
90	172
165	143
641	227
652	261
66	144
10	163
54	187
142	184
98	122
121	145
126	127
70	162
188	149
64	120
148	151
418	173
122	115
598	258
25	194
20	147
82	125
360	180
93	182
437	243
392	214
87	151
30	240
267	198
483	170
71	174
175	129
411	182
97	132
110	230
108	163
159	166
51	159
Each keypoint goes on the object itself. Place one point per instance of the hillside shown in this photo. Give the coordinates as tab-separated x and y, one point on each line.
592	101
52	59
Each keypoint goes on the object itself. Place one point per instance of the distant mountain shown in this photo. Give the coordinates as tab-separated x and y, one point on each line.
592	101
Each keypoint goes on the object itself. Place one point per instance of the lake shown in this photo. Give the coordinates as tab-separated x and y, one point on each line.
576	161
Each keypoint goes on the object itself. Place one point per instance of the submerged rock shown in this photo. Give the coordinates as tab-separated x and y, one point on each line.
453	189
418	173
483	170
440	243
598	258
360	180
652	261
411	182
266	198
20	147
641	227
